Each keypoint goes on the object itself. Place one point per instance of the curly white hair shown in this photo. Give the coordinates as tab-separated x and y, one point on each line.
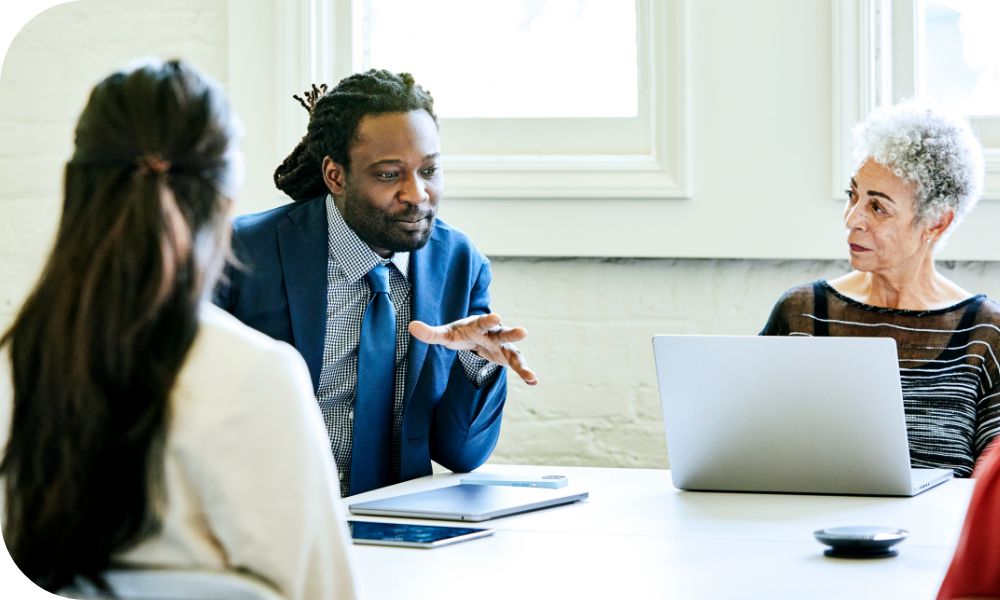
924	145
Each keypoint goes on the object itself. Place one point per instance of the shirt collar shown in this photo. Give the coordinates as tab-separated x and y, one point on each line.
350	253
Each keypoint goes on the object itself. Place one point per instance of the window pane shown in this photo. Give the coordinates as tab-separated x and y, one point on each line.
960	54
509	59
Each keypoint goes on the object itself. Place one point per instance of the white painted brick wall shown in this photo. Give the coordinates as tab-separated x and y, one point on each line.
590	323
47	73
590	320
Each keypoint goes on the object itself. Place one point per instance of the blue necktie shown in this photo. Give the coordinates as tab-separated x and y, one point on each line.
371	458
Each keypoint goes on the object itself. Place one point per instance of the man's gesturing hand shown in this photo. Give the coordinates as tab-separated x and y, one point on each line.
482	334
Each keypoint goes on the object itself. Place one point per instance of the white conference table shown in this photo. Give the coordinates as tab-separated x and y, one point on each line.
639	537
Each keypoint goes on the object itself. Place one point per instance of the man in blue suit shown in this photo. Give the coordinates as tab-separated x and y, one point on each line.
352	272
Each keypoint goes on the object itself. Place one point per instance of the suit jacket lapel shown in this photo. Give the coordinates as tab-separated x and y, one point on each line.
303	246
427	283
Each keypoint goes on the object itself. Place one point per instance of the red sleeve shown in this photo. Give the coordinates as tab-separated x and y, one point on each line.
975	568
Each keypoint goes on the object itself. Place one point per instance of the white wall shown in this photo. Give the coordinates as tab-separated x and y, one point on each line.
47	73
590	322
761	114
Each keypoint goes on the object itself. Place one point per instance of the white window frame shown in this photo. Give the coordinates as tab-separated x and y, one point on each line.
315	44
874	63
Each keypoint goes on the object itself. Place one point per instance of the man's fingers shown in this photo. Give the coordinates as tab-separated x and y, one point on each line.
483	333
427	334
506	335
485	323
496	347
448	336
516	361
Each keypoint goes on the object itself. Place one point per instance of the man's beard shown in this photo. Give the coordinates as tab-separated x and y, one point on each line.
383	231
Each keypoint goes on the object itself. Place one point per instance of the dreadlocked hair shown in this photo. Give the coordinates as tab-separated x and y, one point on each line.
333	123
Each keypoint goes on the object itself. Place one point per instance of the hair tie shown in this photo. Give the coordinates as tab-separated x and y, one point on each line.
153	163
311	97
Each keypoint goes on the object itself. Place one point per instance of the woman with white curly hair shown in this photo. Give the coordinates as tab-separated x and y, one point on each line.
919	173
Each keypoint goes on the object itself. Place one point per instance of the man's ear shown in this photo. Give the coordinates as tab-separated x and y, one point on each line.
334	176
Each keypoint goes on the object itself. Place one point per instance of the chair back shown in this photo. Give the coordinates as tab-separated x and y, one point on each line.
168	584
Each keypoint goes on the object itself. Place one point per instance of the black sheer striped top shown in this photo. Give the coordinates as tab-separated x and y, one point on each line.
948	364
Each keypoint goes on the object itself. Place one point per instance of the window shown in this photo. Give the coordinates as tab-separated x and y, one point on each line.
889	50
958	58
535	59
536	98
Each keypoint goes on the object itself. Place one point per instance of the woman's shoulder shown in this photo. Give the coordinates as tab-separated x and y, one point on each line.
802	294
228	357
987	310
219	329
789	308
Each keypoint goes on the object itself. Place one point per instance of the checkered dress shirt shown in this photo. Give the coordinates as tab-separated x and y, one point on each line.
347	296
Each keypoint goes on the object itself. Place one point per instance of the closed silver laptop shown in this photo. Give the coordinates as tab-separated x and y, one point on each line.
468	502
817	415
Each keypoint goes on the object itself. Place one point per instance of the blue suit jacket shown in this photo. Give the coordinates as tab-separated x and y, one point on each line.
282	291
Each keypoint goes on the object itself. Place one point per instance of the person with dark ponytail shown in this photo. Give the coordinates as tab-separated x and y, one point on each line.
353	270
139	424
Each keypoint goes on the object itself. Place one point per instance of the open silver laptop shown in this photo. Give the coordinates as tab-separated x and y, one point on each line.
468	502
786	414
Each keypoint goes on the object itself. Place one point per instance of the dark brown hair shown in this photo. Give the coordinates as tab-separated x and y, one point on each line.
333	124
97	346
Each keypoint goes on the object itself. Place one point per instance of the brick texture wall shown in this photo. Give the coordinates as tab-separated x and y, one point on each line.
47	73
590	320
590	323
